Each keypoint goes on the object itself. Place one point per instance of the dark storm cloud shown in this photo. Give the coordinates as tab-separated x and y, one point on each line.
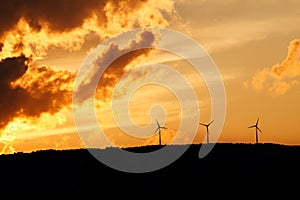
116	67
59	15
43	94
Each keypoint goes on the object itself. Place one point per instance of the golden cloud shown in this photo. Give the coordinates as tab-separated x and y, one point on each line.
31	91
278	79
35	26
30	28
116	67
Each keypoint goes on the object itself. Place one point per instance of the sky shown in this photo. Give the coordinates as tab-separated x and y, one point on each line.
44	46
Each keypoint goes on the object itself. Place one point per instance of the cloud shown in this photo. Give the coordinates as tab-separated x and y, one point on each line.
58	15
233	23
278	79
29	91
115	70
31	27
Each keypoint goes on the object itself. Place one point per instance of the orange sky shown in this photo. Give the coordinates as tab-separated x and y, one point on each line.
255	46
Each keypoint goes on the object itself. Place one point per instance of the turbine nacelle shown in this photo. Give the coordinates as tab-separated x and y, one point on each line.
256	126
207	125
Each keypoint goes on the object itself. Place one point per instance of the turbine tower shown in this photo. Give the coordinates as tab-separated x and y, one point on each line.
207	131
159	132
256	128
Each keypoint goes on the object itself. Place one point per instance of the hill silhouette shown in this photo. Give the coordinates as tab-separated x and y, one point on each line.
74	169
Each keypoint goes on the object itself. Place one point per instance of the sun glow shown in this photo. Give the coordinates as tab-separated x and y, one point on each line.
23	127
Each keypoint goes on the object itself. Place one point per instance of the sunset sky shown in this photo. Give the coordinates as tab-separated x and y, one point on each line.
43	45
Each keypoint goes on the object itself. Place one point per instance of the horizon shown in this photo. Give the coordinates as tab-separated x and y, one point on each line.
255	47
148	146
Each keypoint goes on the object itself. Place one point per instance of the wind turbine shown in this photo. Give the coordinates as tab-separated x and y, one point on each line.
207	132
159	132
256	128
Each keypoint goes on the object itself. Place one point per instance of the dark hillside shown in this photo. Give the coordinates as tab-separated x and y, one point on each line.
57	171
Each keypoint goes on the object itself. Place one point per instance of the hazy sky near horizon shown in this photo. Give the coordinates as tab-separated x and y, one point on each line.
255	45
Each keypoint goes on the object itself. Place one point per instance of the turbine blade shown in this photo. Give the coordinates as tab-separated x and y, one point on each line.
259	129
252	126
157	123
156	130
164	127
257	121
210	123
202	124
